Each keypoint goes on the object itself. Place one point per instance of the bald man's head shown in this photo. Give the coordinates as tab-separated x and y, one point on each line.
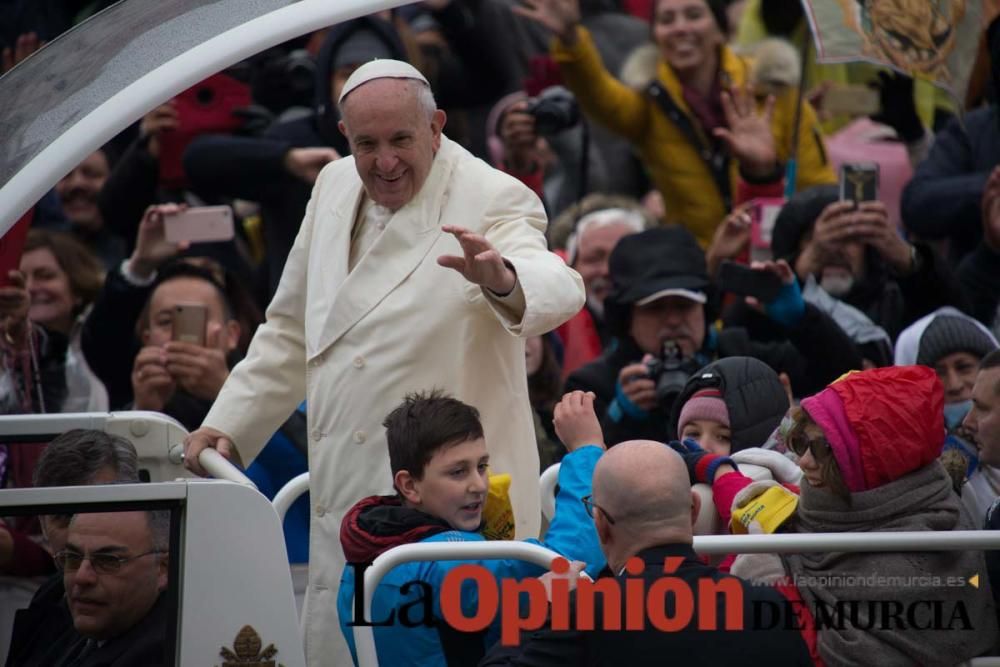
644	485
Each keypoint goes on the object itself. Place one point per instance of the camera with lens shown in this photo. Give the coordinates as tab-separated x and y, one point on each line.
555	110
670	372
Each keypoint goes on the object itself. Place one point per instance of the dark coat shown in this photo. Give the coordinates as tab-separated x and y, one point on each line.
143	645
813	354
38	627
942	201
776	643
979	275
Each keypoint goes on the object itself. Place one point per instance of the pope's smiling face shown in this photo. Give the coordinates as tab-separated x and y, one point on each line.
394	133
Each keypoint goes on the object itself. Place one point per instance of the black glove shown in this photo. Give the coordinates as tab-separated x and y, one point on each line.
700	464
898	109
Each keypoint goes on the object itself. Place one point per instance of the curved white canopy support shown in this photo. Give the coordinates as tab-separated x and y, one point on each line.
79	91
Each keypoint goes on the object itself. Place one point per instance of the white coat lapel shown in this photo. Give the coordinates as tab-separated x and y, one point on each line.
398	251
328	258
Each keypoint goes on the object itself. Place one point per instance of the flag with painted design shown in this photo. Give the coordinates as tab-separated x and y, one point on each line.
934	40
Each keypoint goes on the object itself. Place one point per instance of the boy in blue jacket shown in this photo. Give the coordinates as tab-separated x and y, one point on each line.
439	464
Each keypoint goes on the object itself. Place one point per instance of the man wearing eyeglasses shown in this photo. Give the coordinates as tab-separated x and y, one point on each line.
115	571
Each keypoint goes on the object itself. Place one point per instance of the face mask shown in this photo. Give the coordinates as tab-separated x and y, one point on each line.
837	285
954	413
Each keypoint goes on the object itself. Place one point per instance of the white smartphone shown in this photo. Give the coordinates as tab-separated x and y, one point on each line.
200	224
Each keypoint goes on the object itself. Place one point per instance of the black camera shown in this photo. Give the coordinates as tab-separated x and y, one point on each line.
555	110
670	372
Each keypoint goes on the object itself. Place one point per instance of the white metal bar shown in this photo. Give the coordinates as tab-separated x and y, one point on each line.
99	493
954	540
547	486
218	466
289	493
364	639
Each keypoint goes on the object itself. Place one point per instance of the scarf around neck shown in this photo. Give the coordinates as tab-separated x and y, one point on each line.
921	500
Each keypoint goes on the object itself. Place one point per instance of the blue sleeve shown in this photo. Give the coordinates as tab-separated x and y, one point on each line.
572	531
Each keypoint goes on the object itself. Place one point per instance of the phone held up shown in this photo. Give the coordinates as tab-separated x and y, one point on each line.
189	323
742	280
199	224
859	182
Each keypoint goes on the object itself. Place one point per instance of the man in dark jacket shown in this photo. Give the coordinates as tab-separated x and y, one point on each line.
661	304
76	458
942	200
643	509
856	256
979	272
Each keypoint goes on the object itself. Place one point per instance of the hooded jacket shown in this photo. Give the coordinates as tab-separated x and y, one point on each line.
377	524
254	169
753	394
892	302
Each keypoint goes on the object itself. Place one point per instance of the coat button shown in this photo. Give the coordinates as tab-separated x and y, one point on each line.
359	437
320	510
359	362
316	435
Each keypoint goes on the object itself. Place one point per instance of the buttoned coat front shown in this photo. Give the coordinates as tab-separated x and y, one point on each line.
354	343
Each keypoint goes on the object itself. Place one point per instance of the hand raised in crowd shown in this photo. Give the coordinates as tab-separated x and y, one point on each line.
14	304
748	134
151	246
207	438
559	16
481	263
199	370
152	384
306	163
573	573
991	211
637	386
731	238
520	141
162	119
25	45
832	229
576	422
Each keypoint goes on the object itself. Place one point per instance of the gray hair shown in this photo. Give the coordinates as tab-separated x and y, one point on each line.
77	456
159	528
421	91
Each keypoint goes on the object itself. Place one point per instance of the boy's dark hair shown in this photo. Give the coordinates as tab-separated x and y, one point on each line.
424	423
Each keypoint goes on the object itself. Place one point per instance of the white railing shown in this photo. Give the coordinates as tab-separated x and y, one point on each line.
364	638
547	487
289	493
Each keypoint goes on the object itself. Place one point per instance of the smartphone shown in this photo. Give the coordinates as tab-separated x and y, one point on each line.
851	100
12	245
189	323
741	279
200	224
859	182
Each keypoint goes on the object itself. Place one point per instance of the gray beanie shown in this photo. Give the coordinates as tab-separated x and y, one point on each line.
949	334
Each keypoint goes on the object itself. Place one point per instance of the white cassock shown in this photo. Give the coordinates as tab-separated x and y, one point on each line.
354	337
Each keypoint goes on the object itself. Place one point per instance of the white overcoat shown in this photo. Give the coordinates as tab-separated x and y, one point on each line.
355	343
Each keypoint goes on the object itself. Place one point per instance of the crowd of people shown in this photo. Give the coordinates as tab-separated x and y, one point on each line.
481	237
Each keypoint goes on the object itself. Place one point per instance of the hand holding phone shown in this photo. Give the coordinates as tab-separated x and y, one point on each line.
189	323
740	279
199	224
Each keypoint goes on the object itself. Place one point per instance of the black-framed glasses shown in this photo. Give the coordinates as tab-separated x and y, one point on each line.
818	447
590	506
70	561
